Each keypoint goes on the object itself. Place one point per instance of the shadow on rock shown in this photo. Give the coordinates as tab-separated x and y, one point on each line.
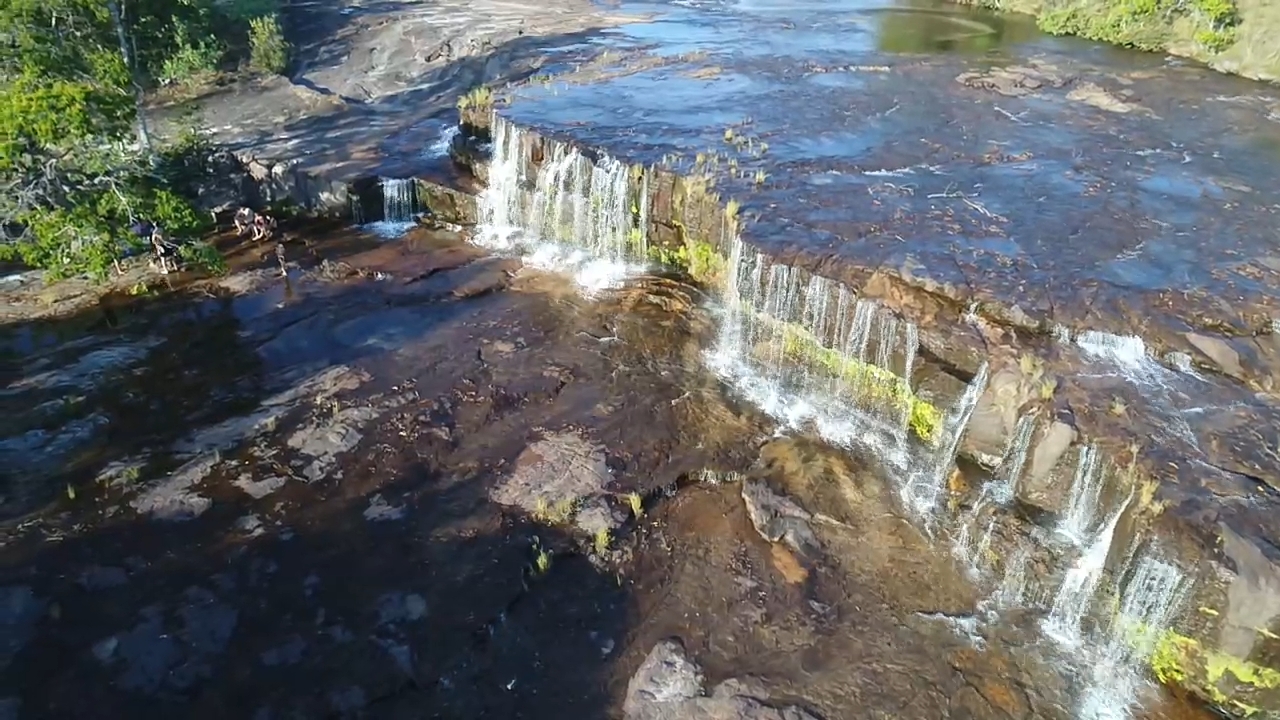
443	607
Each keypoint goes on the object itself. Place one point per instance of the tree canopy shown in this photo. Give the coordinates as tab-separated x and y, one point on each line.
77	163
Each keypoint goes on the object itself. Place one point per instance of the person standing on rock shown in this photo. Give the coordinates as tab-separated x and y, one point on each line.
284	265
166	252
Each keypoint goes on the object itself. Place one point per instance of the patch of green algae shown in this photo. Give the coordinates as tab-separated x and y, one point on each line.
869	382
700	259
1181	661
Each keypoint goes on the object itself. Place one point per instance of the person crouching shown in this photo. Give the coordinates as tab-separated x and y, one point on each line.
244	220
264	226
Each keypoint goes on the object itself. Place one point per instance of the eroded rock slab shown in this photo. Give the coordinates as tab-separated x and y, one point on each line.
1015	80
560	477
778	518
325	439
669	686
174	497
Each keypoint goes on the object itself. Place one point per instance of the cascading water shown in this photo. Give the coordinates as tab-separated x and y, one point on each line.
812	354
809	352
1115	677
971	548
399	204
399	199
357	210
440	147
1066	618
1085	494
1012	591
1128	355
1125	350
570	213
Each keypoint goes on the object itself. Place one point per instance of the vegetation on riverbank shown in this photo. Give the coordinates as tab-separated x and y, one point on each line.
1236	36
77	161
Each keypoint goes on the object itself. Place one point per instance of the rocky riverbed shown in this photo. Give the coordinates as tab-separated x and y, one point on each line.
417	479
818	252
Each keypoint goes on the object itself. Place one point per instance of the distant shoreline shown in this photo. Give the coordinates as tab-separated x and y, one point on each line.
1235	37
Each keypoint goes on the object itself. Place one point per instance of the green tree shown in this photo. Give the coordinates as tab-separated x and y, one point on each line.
76	162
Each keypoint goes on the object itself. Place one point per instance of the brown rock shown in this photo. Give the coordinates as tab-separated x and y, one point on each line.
1047	478
1219	352
786	563
989	674
669	686
449	205
996	414
776	518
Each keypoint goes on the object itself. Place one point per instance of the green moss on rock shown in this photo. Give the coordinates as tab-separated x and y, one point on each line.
869	382
1239	687
699	259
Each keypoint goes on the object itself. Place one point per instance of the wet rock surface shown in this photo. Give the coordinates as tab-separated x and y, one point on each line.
968	234
415	478
426	507
978	215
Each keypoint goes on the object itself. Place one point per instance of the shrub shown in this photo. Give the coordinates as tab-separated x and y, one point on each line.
191	61
268	50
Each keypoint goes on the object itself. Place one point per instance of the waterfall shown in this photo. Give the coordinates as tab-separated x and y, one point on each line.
399	205
1013	461
1075	595
817	357
926	482
812	354
568	213
1012	591
399	200
1116	674
974	550
440	148
357	209
1124	350
1082	501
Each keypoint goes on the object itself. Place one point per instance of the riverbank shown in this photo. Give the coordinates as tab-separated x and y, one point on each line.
1240	37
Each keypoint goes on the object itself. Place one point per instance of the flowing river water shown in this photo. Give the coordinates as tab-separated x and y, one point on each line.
964	297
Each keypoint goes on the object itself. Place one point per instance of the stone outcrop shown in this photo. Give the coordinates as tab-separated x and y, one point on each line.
777	518
283	181
670	686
